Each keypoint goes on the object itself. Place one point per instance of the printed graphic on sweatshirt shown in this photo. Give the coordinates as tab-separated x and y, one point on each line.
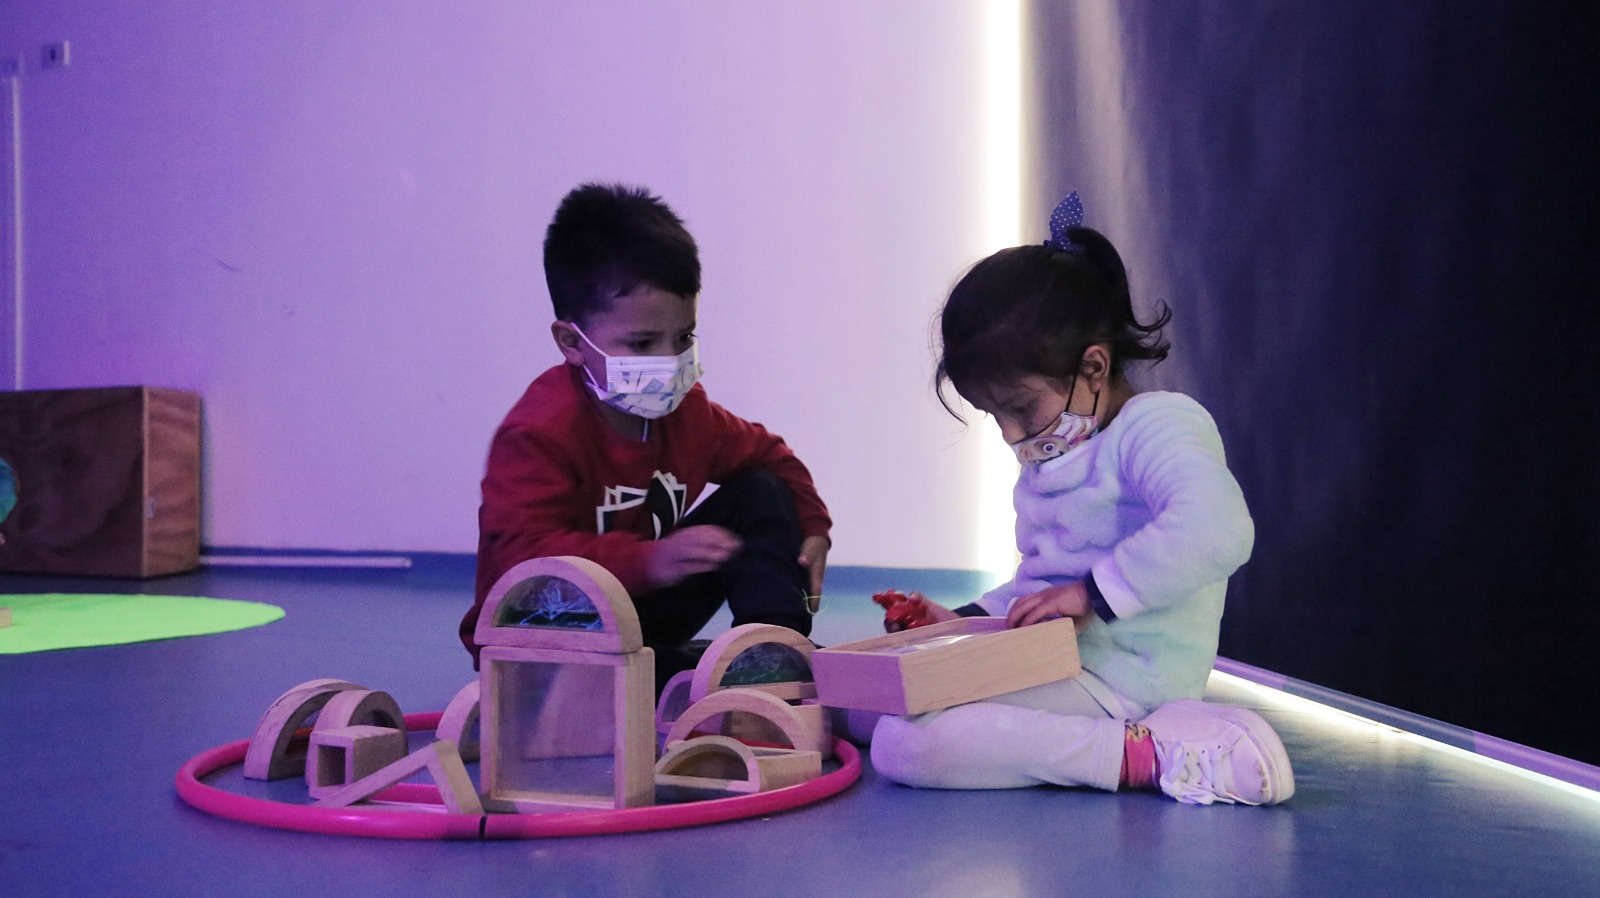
663	499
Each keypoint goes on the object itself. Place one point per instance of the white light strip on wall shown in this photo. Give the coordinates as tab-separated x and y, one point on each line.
1002	198
13	101
1378	730
391	562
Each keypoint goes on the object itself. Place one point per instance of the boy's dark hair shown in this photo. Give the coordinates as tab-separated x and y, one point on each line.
607	240
1034	310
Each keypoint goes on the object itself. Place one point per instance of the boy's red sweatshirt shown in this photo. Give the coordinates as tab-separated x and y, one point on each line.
560	481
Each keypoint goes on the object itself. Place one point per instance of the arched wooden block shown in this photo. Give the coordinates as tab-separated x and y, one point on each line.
804	727
268	757
721	765
711	763
367	707
725	649
459	722
674	701
619	631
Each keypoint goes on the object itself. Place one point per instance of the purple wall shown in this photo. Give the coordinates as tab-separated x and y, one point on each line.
326	218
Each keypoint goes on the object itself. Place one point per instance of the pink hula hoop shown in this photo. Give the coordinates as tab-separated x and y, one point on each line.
397	824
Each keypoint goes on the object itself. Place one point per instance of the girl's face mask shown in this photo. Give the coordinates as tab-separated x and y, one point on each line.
649	386
1069	433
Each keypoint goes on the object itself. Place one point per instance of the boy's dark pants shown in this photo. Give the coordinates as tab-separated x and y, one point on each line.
763	584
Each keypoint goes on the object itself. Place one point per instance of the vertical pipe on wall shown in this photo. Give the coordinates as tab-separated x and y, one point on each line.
1002	198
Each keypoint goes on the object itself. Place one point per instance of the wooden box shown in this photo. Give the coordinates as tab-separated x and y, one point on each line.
934	667
107	481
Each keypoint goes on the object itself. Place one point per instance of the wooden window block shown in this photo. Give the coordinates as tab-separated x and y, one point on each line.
107	480
339	757
567	692
565	731
946	664
442	762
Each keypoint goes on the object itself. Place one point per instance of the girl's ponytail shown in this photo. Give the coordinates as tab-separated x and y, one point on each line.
1135	341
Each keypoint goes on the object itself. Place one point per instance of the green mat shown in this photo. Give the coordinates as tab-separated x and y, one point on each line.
40	623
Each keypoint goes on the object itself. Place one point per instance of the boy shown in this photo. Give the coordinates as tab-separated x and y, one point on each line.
617	455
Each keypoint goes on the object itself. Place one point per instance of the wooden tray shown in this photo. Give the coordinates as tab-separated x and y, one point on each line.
934	667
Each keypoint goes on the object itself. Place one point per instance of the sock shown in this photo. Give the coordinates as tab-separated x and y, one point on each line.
1138	758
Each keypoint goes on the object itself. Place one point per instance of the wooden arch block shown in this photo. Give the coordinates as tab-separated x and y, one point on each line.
616	632
459	722
723	651
804	727
353	707
442	762
674	701
269	757
720	766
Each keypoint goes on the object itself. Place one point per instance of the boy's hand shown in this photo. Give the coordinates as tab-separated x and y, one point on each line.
1071	601
814	557
692	550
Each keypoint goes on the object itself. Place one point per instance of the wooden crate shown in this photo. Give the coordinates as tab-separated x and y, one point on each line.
108	481
934	667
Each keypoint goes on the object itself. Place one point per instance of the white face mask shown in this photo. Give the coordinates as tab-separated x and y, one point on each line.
1069	433
649	386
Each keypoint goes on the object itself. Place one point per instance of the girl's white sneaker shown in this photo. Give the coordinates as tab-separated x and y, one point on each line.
1213	753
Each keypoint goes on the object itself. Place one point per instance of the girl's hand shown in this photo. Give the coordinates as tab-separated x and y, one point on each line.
1071	601
903	612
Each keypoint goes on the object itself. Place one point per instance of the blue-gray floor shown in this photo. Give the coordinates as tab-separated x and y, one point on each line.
90	740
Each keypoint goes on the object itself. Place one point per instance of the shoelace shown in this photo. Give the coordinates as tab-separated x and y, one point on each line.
1195	780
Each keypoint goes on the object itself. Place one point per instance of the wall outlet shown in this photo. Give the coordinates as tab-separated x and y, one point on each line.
57	55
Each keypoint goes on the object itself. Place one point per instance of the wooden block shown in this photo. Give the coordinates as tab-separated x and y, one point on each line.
754	729
951	663
566	730
562	602
674	701
724	657
459	722
776	721
271	754
442	762
339	757
718	766
350	707
107	481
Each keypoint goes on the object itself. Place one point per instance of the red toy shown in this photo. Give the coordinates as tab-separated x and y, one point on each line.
903	612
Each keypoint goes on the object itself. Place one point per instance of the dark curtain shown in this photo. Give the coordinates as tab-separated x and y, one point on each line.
1376	224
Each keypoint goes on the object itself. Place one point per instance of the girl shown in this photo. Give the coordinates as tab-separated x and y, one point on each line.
1128	521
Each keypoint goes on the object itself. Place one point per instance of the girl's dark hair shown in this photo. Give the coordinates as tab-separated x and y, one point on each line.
1034	310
